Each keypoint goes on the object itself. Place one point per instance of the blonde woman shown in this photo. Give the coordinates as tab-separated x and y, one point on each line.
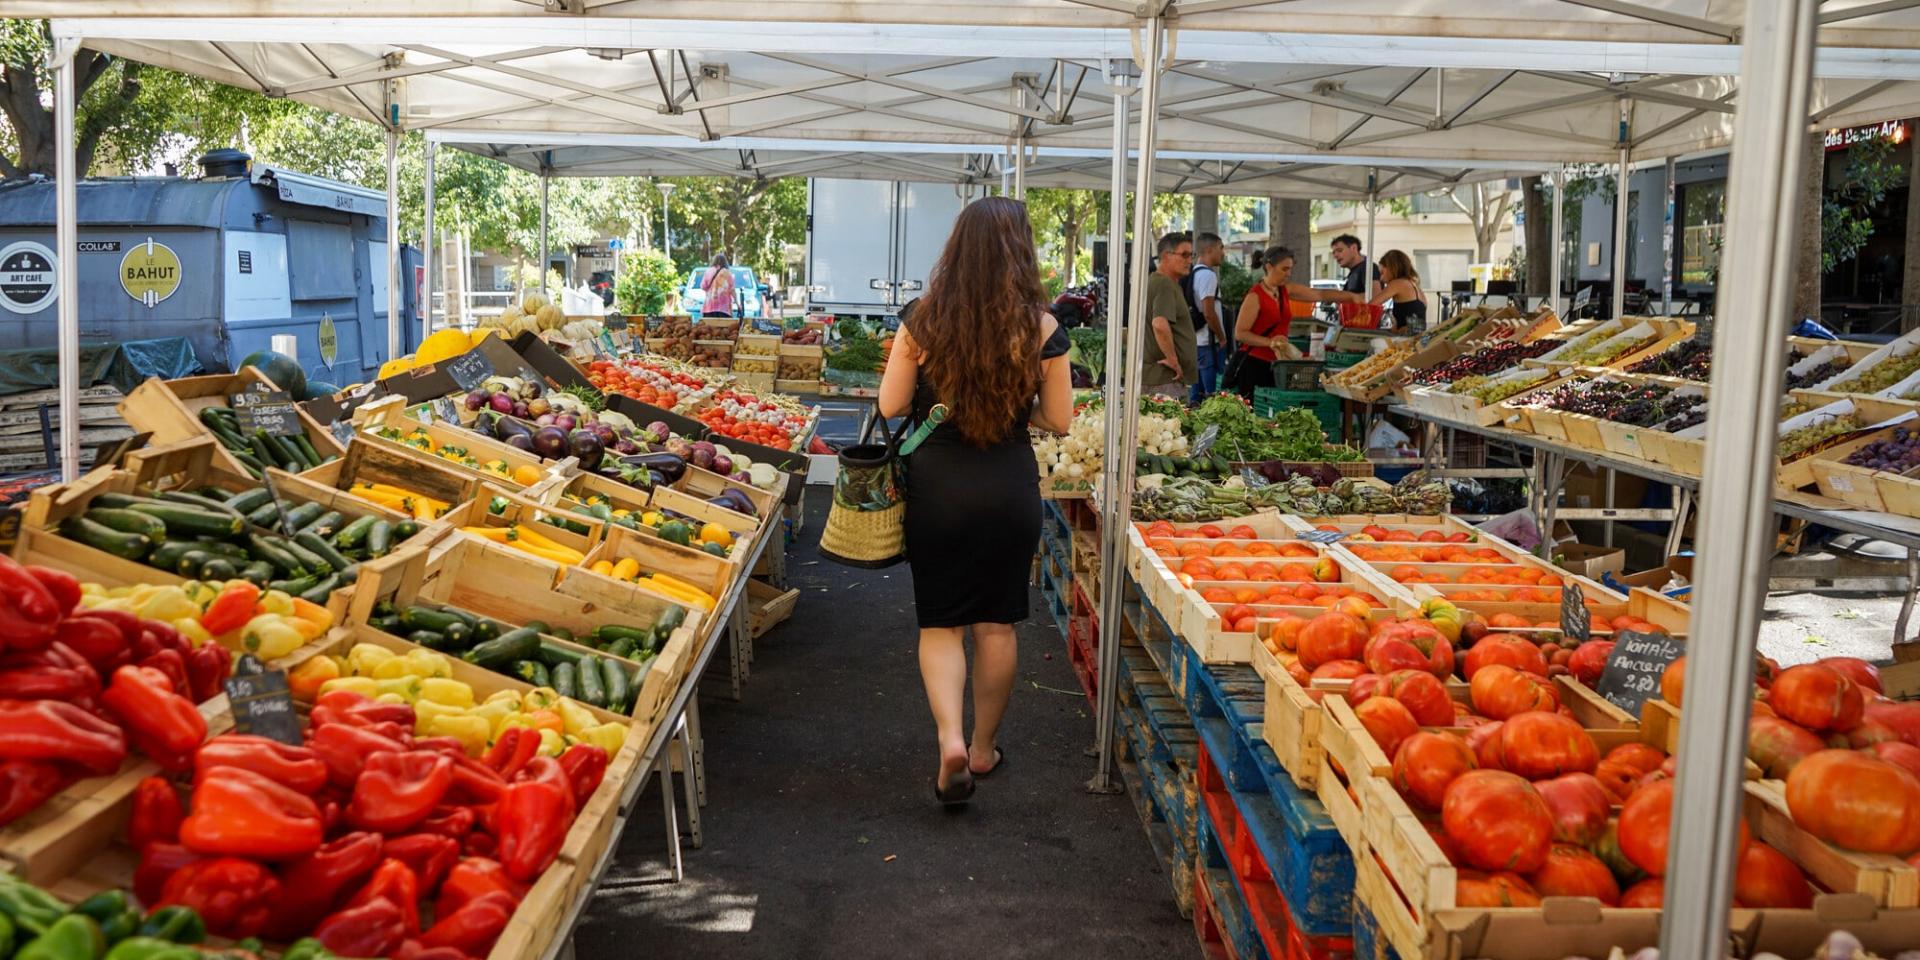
1400	283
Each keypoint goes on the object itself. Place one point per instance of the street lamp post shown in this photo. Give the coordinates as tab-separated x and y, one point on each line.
666	216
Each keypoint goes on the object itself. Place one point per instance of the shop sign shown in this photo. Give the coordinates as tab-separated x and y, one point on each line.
27	277
150	272
329	340
1894	130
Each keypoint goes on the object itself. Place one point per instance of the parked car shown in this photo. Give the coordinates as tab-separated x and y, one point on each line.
748	296
602	283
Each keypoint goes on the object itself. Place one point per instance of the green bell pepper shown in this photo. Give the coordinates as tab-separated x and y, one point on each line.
308	949
6	936
30	908
151	948
113	912
72	937
175	924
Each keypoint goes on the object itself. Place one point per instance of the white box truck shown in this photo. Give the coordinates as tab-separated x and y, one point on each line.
871	243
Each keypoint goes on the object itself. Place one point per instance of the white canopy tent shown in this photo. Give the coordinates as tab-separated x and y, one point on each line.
1465	82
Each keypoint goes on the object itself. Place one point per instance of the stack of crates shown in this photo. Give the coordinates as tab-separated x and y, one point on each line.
1268	401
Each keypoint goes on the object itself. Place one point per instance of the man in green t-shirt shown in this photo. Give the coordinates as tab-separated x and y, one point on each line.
1171	356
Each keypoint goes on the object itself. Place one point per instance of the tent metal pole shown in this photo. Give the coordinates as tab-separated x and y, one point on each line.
1373	211
1121	76
394	314
1666	246
1020	169
1559	244
428	250
1735	532
1620	195
66	260
1123	435
542	264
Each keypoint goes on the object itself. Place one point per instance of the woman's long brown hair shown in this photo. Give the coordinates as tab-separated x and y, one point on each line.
978	326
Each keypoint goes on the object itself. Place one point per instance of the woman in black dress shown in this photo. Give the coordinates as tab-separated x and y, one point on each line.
981	342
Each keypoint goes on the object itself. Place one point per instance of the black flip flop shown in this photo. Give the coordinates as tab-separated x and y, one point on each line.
959	789
999	760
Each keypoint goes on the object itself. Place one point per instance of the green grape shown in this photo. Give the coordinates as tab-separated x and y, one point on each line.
1881	375
1801	439
1498	390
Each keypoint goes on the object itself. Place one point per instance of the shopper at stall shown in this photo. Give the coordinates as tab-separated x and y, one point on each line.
1202	289
1346	253
1170	359
1400	284
1265	315
718	286
981	343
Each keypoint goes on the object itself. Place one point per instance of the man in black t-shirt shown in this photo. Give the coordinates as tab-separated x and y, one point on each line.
1346	253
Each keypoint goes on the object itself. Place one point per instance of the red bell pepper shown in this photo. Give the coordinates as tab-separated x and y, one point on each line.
345	706
232	895
430	856
530	822
63	732
164	637
451	822
549	770
26	784
131	627
515	746
474	782
232	608
158	863
315	883
372	929
173	664
64	586
97	639
44	680
412	950
585	765
345	749
395	791
475	926
396	883
480	844
451	746
474	877
298	768
240	813
164	725
29	614
208	667
157	814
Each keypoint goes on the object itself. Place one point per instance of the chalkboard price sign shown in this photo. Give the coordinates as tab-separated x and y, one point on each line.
1576	621
1632	674
1204	445
1323	536
255	398
470	369
262	704
270	410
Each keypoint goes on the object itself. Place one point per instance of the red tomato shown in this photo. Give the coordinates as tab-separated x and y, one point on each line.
1427	764
1580	807
1389	721
1766	879
1503	889
1538	745
1500	691
1856	801
1497	821
1571	871
1817	697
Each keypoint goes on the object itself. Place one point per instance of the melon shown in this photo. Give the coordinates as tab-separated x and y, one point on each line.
281	369
320	388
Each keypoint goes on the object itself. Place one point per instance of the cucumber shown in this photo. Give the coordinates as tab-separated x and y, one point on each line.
218	569
259	571
533	671
131	546
270	549
129	521
427	618
593	686
191	562
353	534
619	689
380	539
431	639
553	655
251	500
319	547
325	525
565	680
521	644
299	515
188	520
312	561
322	590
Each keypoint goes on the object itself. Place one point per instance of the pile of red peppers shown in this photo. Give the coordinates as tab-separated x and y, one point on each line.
374	841
77	687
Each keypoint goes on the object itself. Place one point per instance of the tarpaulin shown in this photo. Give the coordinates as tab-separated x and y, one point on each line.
122	365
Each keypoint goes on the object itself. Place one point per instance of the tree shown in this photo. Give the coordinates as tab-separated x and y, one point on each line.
1846	209
1486	206
1064	216
1537	262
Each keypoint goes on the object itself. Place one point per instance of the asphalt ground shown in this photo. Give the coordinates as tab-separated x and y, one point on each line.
822	838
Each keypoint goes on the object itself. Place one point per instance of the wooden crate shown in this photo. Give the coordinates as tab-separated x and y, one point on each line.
768	606
170	410
1201	626
1899	494
495	507
701	569
1854	486
387	415
706	483
1582	431
745	529
370	462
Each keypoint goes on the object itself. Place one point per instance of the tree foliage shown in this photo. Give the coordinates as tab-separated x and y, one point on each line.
1846	208
647	277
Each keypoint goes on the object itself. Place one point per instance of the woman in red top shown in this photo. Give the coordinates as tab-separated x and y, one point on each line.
1265	315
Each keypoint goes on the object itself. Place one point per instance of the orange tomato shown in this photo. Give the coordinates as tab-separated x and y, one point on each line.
1217	595
1262	571
1229	549
1297	573
1231	571
1242	532
1261	548
1246	595
1211	532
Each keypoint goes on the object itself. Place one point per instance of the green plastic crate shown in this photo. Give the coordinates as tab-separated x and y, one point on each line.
1268	401
1341	361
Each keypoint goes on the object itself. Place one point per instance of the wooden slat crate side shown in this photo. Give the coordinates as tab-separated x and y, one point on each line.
170	410
697	567
478	445
1890	881
367	462
514	508
1291	720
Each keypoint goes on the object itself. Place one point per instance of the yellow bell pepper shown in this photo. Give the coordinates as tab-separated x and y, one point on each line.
364	658
551	743
92	590
306	679
270	637
305	628
505	696
547	720
407	687
606	736
276	601
495	713
364	686
524	721
452	693
193	631
470	730
575	716
169	604
390	698
430	664
424	711
539	698
201	592
312	612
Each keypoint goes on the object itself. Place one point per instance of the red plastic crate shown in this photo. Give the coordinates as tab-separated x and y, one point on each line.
1206	927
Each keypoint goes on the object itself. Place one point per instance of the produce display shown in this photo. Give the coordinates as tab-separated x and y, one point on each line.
629	570
1596	350
533	313
1372	368
798	368
1897	454
778	422
1689	360
669	386
1889	371
443	345
237	615
1493	388
1194	499
1634	404
1802	440
217	534
1293	434
716	330
522	537
1820	373
1077	456
1089	351
1486	361
858	354
80	687
418	439
809	336
711	355
260	450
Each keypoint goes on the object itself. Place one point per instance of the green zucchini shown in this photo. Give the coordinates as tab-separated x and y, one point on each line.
521	644
266	452
271	550
606	636
533	671
593	686
427	618
354	534
552	654
319	547
309	559
319	592
129	521
302	514
431	639
259	571
405	529
221	548
561	633
565	677
251	500
169	553
307	449
195	500
295	585
325	525
380	539
218	568
214	493
387	623
131	546
625	647
619	687
187	520
484	630
191	562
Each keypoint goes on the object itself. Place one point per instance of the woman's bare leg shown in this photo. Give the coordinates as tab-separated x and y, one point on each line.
996	658
943	668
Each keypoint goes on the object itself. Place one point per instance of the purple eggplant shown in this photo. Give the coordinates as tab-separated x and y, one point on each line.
703	454
721	464
660	431
521	441
544	420
732	499
501	403
550	443
565	421
478	399
624	447
586	446
670	467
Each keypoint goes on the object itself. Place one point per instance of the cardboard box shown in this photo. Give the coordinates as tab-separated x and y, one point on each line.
1590	561
1585	488
1680	565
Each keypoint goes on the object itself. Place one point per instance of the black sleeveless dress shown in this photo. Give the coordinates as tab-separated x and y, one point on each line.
973	518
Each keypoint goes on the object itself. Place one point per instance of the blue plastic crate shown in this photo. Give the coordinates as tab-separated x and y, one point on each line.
1368	943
